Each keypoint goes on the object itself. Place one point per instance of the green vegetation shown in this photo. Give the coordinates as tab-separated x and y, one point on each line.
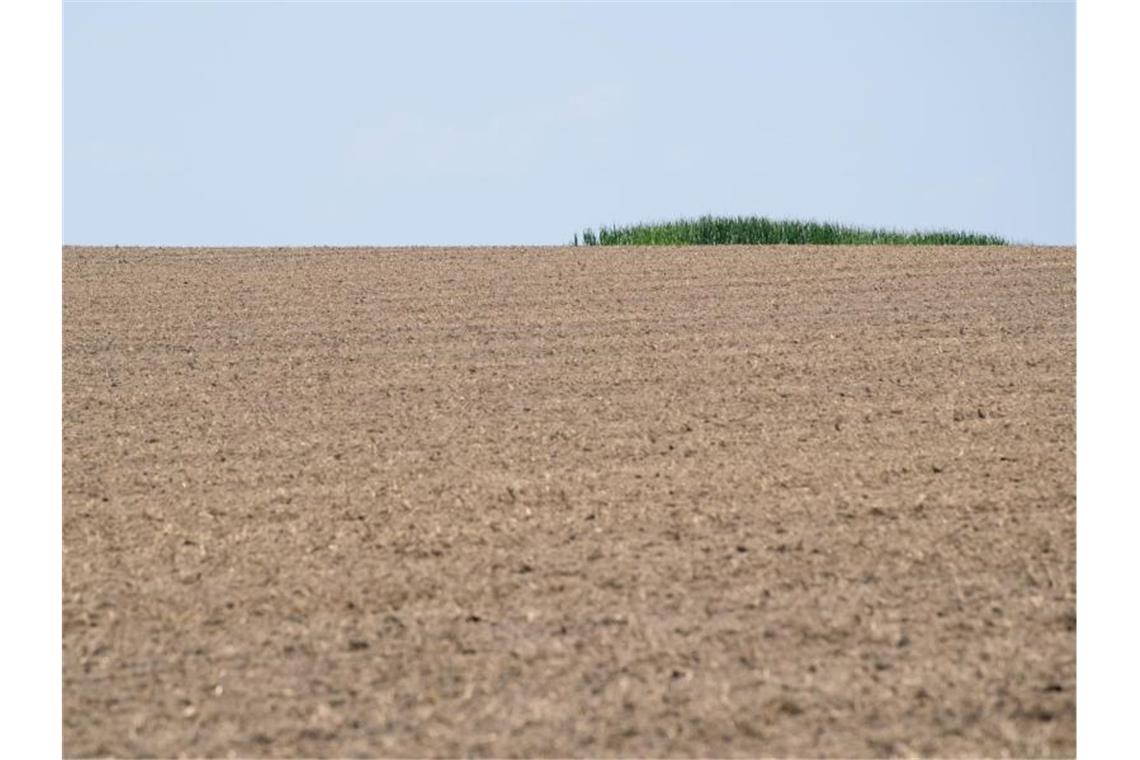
753	230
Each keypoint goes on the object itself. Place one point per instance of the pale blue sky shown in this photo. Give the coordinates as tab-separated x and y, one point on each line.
290	124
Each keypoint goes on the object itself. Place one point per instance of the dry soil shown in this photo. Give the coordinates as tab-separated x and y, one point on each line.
568	501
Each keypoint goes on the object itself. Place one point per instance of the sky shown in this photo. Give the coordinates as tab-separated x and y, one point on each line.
509	124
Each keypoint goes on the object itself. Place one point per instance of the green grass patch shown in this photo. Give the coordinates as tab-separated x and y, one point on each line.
758	230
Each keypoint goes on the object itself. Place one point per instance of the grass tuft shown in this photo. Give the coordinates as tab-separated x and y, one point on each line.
756	230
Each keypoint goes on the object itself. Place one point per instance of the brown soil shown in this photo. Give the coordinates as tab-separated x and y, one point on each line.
556	501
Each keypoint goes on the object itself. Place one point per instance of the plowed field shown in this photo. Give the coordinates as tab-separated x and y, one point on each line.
569	501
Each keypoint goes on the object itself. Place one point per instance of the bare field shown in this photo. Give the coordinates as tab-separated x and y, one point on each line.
575	502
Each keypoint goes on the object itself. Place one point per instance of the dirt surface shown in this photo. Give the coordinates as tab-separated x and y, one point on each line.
555	501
